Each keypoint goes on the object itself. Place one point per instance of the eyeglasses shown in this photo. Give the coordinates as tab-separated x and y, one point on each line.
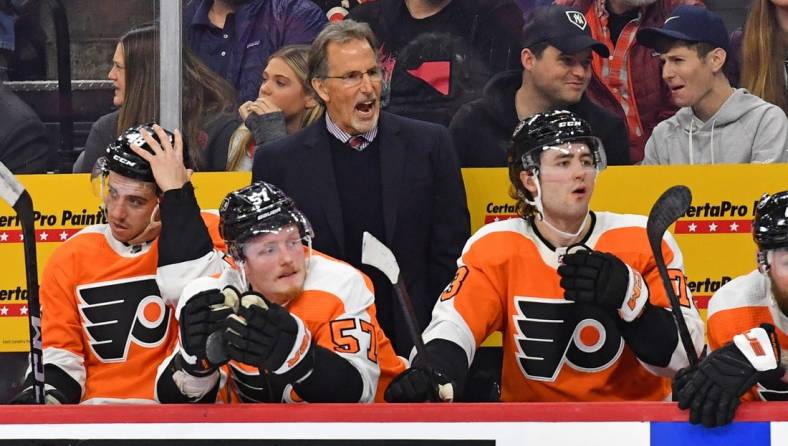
354	78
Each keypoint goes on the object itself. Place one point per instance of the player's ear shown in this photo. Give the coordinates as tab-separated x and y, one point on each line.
528	179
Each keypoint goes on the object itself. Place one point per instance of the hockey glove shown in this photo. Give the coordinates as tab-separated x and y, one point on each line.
201	316
420	384
28	396
603	279
268	337
711	391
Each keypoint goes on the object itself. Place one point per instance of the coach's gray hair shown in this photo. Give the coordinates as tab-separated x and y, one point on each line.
337	32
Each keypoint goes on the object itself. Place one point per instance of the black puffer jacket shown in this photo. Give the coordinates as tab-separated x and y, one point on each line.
482	129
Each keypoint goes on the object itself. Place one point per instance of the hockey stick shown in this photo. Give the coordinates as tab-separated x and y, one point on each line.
375	253
13	193
666	210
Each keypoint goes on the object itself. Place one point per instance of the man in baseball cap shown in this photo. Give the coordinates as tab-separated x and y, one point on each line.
562	27
716	123
556	60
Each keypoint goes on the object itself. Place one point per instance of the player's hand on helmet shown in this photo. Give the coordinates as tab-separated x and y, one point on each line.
202	316
166	161
267	336
712	390
420	384
603	279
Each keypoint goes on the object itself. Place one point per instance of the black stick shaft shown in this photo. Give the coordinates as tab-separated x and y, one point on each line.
24	209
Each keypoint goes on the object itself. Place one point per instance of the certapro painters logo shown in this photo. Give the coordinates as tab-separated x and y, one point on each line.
724	217
498	212
54	227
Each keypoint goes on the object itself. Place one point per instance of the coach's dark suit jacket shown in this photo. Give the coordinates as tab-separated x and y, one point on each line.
425	213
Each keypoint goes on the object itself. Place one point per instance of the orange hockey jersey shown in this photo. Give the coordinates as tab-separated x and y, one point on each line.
740	305
554	349
107	312
337	307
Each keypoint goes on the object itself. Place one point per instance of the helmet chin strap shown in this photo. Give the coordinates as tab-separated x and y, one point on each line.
537	202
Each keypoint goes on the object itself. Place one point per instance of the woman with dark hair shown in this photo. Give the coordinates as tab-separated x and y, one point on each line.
208	116
284	105
764	51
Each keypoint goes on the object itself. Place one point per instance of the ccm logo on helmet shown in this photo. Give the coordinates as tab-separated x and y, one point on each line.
117	313
122	160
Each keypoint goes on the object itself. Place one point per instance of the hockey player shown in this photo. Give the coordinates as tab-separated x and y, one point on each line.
748	328
302	326
576	293
108	293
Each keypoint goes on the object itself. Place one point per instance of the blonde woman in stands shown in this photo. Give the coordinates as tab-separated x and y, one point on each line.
765	52
284	105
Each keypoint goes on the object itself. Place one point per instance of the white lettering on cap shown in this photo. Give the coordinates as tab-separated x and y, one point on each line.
577	18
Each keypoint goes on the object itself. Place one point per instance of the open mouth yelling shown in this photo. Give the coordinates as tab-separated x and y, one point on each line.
366	108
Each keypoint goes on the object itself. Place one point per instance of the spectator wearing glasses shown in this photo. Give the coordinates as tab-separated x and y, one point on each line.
361	169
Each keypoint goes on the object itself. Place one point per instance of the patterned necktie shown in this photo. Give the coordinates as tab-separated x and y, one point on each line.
356	142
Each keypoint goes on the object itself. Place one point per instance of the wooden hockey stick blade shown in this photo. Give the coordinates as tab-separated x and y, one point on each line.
13	193
375	253
671	205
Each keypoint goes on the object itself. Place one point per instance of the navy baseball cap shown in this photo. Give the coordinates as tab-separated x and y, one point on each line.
689	23
562	27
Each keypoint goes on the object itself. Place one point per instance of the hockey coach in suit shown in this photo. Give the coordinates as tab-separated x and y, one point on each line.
360	169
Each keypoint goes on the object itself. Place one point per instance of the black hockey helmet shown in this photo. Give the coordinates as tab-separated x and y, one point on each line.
532	135
258	209
121	159
770	226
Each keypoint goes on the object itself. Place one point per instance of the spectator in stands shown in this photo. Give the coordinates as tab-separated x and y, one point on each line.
209	118
761	52
557	69
437	55
235	38
628	82
747	330
7	37
716	124
338	9
284	105
24	147
360	169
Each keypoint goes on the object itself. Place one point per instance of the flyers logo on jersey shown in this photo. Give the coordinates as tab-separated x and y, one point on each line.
117	313
551	332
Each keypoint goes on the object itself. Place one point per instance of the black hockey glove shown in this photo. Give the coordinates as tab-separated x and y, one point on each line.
204	314
420	384
711	391
603	279
268	337
28	396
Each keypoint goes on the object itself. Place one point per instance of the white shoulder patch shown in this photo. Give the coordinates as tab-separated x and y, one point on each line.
340	279
749	290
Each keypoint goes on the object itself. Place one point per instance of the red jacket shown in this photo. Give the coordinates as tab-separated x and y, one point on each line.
651	94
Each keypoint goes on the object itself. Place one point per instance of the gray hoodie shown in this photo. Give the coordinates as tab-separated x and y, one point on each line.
746	129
